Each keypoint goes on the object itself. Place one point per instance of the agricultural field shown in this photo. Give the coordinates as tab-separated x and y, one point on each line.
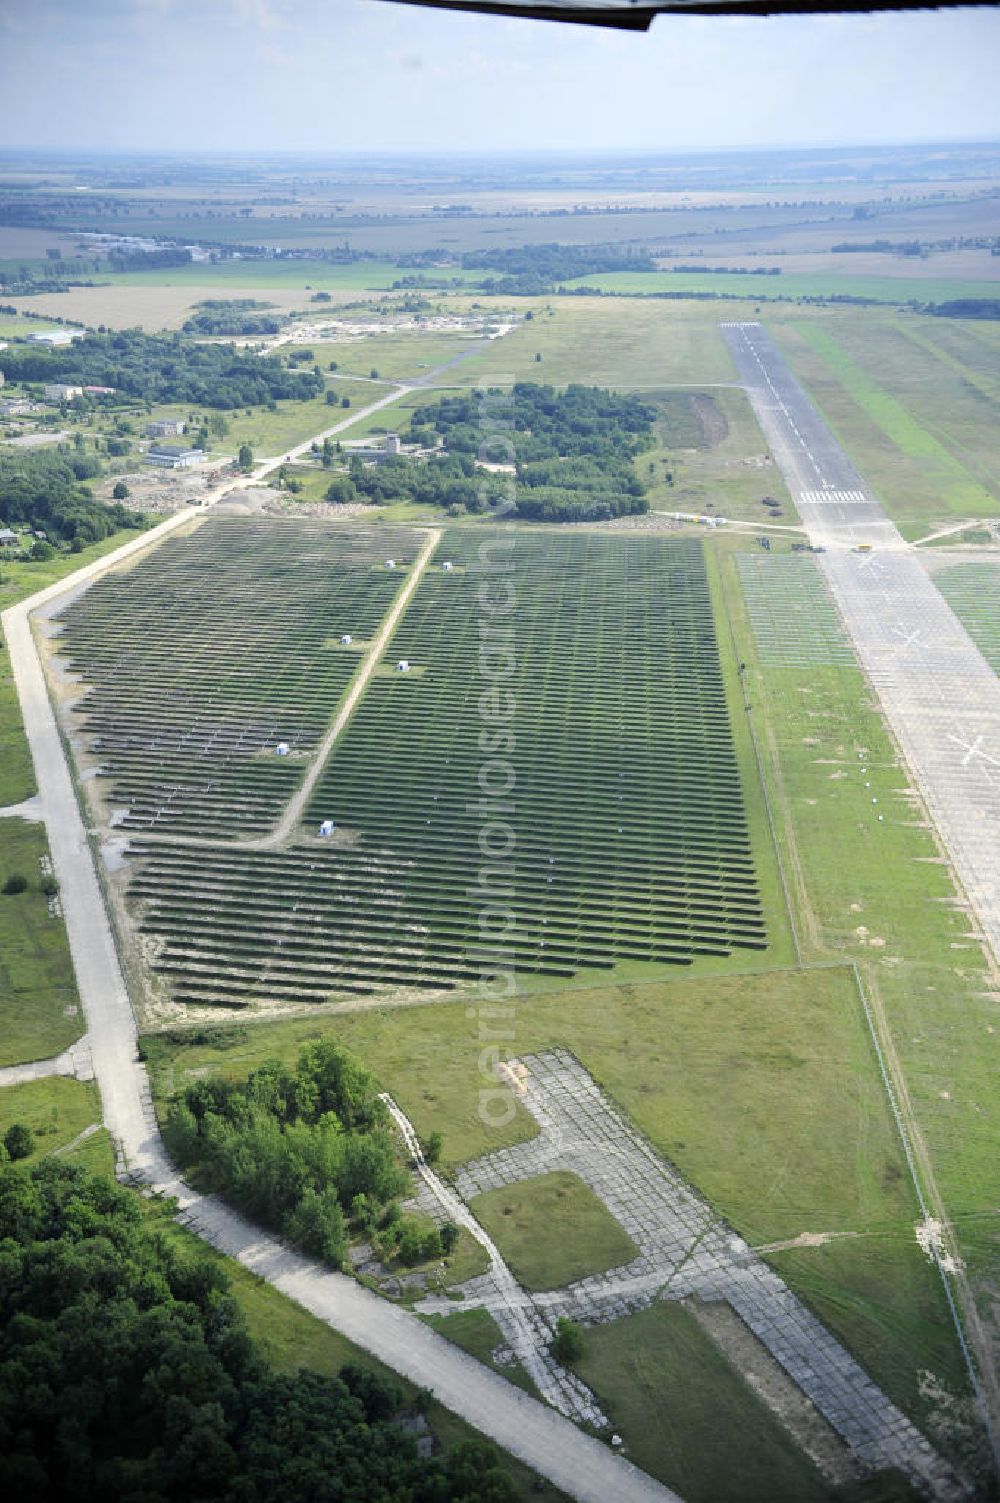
790	287
298	278
633	837
151	304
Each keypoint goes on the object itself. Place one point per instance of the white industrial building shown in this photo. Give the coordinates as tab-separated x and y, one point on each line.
165	428
60	392
173	456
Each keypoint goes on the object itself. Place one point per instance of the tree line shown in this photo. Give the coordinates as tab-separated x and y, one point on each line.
127	1374
533	270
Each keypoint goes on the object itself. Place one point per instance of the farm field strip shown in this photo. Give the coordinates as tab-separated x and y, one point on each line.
206	656
629	822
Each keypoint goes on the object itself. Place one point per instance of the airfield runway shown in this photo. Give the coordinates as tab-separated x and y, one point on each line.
940	696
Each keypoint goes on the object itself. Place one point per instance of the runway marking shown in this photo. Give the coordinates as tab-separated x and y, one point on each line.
833	498
971	749
908	641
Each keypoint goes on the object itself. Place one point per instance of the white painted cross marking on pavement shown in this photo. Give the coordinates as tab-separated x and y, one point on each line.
971	749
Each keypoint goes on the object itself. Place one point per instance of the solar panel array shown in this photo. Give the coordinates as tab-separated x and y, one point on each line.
624	816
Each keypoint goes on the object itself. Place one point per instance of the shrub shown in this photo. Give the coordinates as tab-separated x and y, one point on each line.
418	1243
432	1147
19	1141
567	1344
49	886
15	883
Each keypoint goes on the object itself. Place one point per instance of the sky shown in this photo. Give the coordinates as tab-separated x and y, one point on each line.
356	75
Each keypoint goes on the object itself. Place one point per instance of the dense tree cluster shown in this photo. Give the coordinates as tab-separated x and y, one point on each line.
126	1374
231	316
573	451
41	489
163	368
302	1151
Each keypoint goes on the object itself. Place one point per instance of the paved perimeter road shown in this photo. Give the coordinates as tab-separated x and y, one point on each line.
581	1466
939	695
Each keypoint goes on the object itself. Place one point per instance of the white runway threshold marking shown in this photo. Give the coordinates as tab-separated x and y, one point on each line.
833	498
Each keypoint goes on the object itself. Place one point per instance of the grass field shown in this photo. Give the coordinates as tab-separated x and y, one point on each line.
39	1007
58	1110
552	1230
944	473
396	417
17	778
721	468
270	434
687	1417
14	327
396	356
610	342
